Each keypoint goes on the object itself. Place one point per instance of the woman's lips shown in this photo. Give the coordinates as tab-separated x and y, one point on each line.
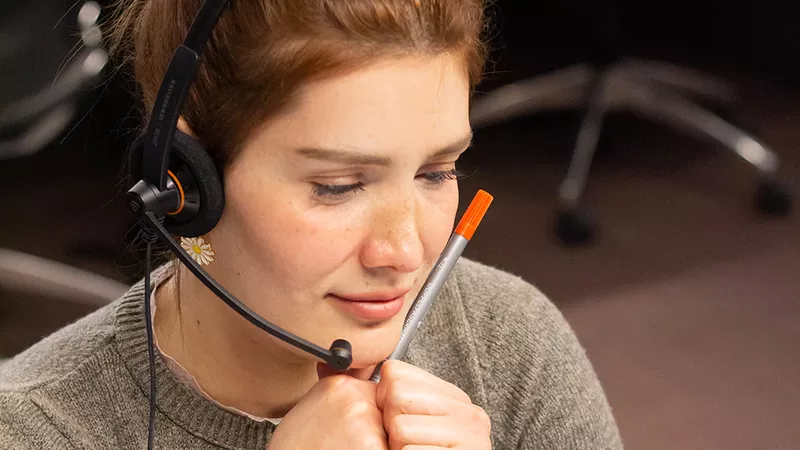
371	307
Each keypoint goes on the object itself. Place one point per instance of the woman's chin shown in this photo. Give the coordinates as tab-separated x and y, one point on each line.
362	368
369	355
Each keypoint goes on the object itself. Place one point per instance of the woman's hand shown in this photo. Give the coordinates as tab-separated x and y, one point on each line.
339	412
422	410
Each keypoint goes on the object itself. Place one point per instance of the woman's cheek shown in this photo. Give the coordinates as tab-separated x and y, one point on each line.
440	217
316	242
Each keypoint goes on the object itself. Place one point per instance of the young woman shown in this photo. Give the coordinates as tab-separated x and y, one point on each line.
336	125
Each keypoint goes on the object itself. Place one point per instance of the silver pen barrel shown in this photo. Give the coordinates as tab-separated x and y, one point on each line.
430	289
441	270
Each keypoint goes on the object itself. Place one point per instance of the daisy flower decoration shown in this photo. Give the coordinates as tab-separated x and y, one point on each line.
198	249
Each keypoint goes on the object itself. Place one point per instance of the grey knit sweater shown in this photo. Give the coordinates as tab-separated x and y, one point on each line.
490	333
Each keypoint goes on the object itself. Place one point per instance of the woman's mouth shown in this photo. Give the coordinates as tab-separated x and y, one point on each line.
376	306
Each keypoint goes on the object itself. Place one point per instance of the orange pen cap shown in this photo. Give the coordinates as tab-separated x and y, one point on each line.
472	218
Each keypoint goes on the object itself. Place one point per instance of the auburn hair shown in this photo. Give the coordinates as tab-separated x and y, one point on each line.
262	51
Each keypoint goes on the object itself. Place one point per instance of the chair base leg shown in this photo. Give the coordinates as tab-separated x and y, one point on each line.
574	227
659	92
773	198
562	89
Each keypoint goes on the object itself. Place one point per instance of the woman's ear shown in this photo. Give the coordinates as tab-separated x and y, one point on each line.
184	127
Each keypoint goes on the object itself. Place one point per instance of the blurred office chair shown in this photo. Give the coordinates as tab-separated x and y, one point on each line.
36	277
30	274
51	55
46	70
658	91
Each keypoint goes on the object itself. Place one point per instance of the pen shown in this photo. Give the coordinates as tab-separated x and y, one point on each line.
441	270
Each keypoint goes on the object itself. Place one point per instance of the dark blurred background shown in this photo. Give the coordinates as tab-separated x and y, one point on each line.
687	299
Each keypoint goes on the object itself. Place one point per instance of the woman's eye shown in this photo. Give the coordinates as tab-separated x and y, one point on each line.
436	179
340	192
335	191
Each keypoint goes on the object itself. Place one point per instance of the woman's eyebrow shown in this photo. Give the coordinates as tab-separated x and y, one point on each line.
454	148
356	158
346	157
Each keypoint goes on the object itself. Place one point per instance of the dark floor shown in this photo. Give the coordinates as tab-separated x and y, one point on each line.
687	302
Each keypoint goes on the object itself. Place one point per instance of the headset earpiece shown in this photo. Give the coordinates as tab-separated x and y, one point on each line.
198	177
194	175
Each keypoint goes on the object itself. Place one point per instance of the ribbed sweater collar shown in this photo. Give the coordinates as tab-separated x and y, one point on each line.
182	405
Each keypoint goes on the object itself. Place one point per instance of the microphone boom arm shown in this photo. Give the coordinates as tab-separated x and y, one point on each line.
339	356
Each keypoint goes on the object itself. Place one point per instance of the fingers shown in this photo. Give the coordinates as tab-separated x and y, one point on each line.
406	398
420	409
420	430
338	410
410	400
433	432
394	371
427	404
343	387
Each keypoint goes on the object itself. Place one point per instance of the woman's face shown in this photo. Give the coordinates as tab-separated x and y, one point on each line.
348	195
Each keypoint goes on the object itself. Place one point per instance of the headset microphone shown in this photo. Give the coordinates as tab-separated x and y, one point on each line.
180	192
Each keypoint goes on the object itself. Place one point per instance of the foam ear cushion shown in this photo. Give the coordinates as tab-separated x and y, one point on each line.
200	178
188	151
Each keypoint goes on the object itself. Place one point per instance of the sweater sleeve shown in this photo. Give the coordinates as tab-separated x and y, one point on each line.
23	426
541	390
568	408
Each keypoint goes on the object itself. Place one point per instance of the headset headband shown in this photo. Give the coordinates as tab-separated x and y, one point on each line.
175	86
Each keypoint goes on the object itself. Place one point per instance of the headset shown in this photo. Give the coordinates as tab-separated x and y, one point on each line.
180	192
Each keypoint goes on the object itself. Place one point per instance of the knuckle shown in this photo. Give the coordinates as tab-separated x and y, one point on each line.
346	389
332	382
398	429
389	389
362	412
481	418
395	391
399	395
371	442
357	410
341	384
391	369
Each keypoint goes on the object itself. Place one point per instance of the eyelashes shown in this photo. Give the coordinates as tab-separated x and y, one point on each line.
335	191
432	180
439	177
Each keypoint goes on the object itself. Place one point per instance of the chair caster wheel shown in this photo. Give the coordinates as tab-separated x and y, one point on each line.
773	198
574	228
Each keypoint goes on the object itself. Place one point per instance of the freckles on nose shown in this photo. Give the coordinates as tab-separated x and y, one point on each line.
401	224
403	230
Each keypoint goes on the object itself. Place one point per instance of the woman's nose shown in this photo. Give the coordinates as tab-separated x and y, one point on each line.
394	241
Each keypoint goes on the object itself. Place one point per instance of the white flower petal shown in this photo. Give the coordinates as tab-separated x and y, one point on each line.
198	249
